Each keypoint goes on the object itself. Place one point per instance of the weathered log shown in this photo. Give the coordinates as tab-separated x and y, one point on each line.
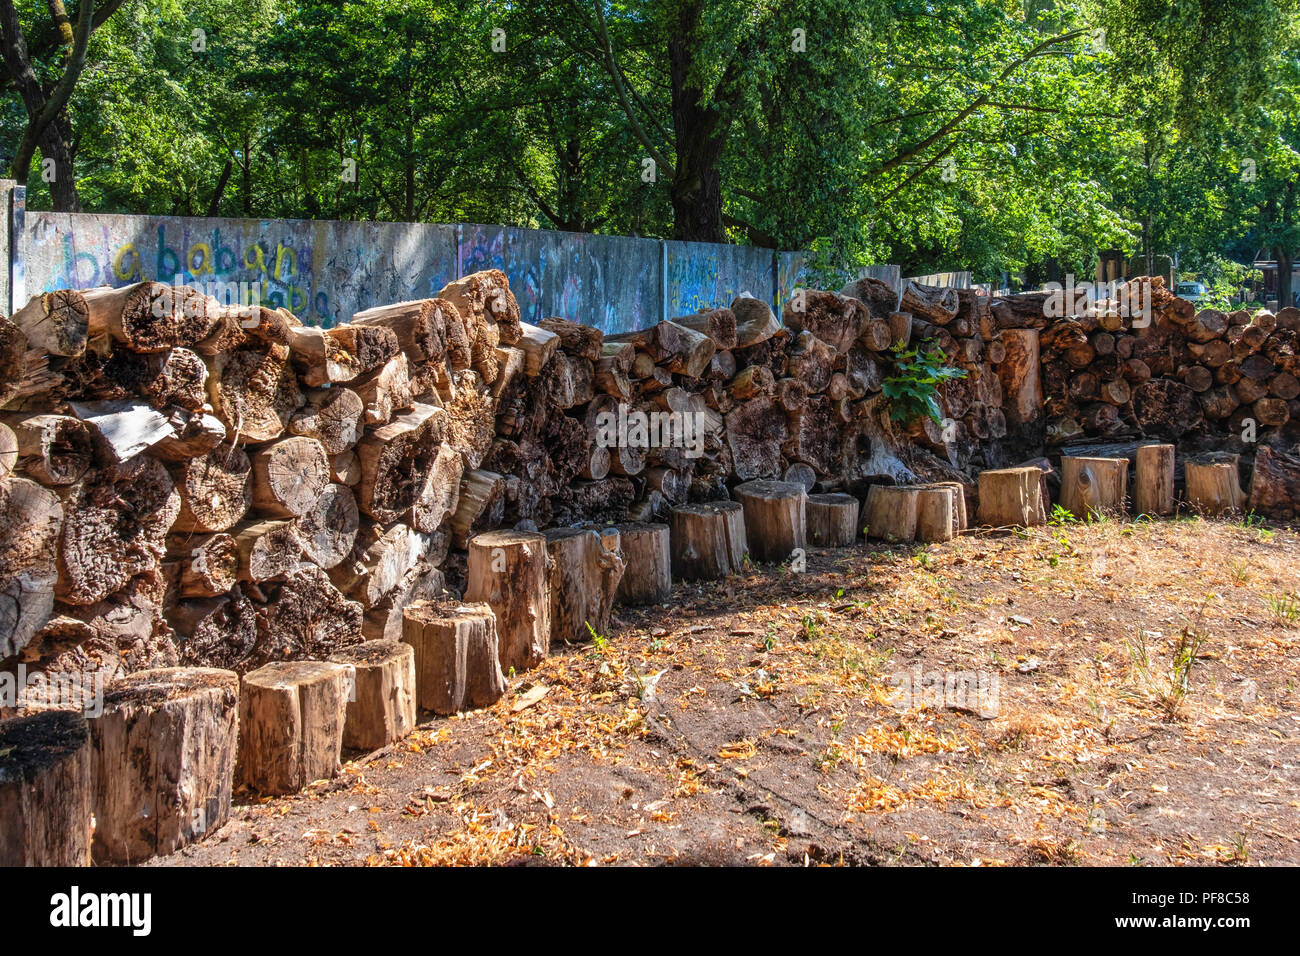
891	513
380	561
718	324
1214	485
828	316
254	393
1094	485
202	566
1011	497
456	655
935	513
1275	485
647	564
148	316
708	540
45	790
267	549
31	525
53	449
1271	412
480	506
933	303
306	617
332	416
1019	374
584	577
55	322
216	632
755	321
291	719
1154	487
289	476
832	520
385	391
775	518
508	570
162	761
756	430
381	709
328	529
420	326
423	582
215	489
395	462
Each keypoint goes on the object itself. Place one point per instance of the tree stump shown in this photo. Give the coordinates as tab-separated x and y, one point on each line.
1091	485
382	708
45	792
708	540
1154	487
934	513
647	564
584	577
775	519
1214	485
457	658
1011	497
509	571
291	718
891	512
960	522
832	520
162	761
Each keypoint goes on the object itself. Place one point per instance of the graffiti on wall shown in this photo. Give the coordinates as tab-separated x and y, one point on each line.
611	283
704	276
321	271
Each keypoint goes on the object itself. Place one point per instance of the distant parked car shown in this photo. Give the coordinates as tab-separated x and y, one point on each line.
1194	292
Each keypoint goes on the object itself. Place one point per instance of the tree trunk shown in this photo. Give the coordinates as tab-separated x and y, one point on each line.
45	790
647	564
891	512
708	540
1094	485
1154	490
584	577
382	708
291	718
509	571
457	657
832	520
1011	497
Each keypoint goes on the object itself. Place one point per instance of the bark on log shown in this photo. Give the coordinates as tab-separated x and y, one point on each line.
708	540
1154	487
509	571
45	790
647	564
1011	497
162	761
381	710
148	316
775	518
1019	373
584	578
291	718
456	654
420	326
31	525
385	391
832	520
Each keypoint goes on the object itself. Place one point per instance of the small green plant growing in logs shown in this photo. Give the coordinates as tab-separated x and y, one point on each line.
913	388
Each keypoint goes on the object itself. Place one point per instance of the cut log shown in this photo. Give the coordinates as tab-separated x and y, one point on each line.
830	317
1271	412
480	507
891	513
55	322
8	451
756	430
1154	488
1094	486
289	476
420	326
832	520
328	529
576	339
381	559
934	513
45	790
396	460
216	632
509	571
440	497
1214	485
345	468
584	577
291	718
340	354
53	449
306	617
124	428
108	539
933	303
775	519
1020	376
424	582
202	566
538	345
215	489
1275	485
31	525
755	321
385	391
254	393
959	518
708	540
456	655
148	316
191	437
381	709
162	761
1011	497
267	549
647	564
718	324
332	416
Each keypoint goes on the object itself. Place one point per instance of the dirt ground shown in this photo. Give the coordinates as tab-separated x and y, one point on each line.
1138	706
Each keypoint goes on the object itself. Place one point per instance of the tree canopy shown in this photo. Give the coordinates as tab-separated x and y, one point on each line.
969	134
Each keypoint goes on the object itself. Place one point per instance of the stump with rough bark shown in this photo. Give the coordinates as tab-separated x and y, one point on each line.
162	760
584	578
934	513
291	718
1011	497
832	520
457	658
708	540
382	708
891	512
45	791
775	519
1094	485
509	570
1154	487
1214	485
647	564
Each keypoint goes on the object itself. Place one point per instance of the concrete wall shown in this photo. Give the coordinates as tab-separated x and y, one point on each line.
326	271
